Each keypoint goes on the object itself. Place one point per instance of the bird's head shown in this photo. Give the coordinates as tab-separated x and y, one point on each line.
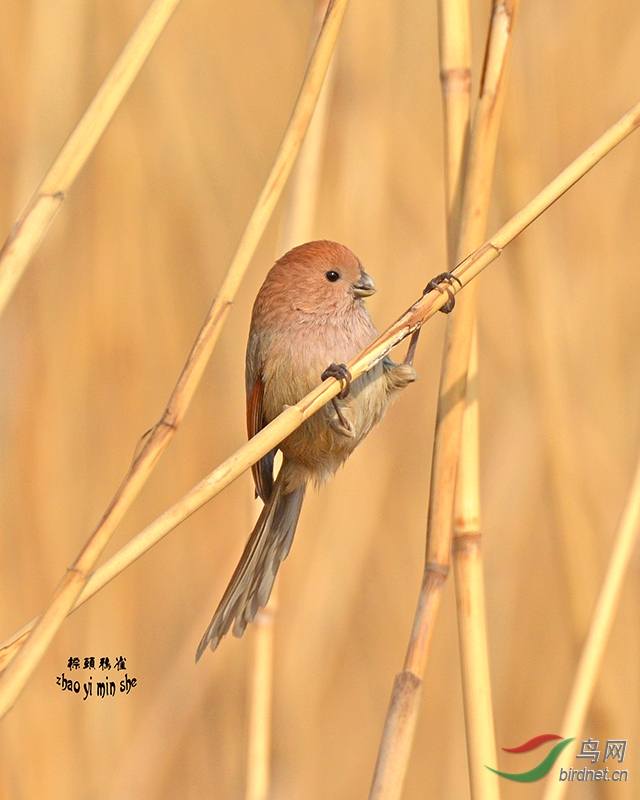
318	278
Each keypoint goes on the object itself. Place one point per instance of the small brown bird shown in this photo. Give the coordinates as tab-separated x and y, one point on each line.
309	313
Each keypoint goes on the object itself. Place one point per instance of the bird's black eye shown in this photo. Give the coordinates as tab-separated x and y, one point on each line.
332	276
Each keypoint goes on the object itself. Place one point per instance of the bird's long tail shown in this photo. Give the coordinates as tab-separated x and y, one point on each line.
252	581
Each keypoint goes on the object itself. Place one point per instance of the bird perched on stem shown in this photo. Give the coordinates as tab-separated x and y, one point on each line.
309	313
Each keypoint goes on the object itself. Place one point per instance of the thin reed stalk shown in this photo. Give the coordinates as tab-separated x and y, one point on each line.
393	759
454	39
70	587
297	226
470	599
455	35
165	721
260	702
599	630
291	418
466	551
32	224
455	75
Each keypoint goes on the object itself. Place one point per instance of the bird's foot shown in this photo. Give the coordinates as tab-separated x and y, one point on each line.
447	278
341	373
341	424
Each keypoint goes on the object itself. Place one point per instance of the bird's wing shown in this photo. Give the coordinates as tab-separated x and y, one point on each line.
262	470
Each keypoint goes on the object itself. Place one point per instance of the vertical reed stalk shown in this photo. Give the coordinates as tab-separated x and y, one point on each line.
470	601
261	702
22	667
398	732
454	39
466	544
467	539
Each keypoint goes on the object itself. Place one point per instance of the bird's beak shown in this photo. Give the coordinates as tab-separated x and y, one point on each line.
365	286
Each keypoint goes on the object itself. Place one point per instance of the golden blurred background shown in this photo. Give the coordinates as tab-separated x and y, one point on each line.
98	329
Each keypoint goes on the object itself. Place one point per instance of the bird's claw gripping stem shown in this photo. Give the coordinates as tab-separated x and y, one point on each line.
447	278
341	373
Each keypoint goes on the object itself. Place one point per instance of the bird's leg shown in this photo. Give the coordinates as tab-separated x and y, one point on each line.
447	278
341	373
413	343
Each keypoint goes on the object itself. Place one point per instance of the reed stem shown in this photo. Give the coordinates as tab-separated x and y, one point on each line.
32	224
598	634
426	307
71	585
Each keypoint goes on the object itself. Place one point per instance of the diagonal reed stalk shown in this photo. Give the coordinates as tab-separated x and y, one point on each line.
32	224
599	630
290	419
402	716
72	584
297	227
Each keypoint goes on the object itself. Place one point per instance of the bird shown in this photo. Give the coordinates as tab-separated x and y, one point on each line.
308	313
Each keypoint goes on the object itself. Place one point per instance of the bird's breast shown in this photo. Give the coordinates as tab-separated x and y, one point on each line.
296	358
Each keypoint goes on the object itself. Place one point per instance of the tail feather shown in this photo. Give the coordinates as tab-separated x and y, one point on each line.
252	582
